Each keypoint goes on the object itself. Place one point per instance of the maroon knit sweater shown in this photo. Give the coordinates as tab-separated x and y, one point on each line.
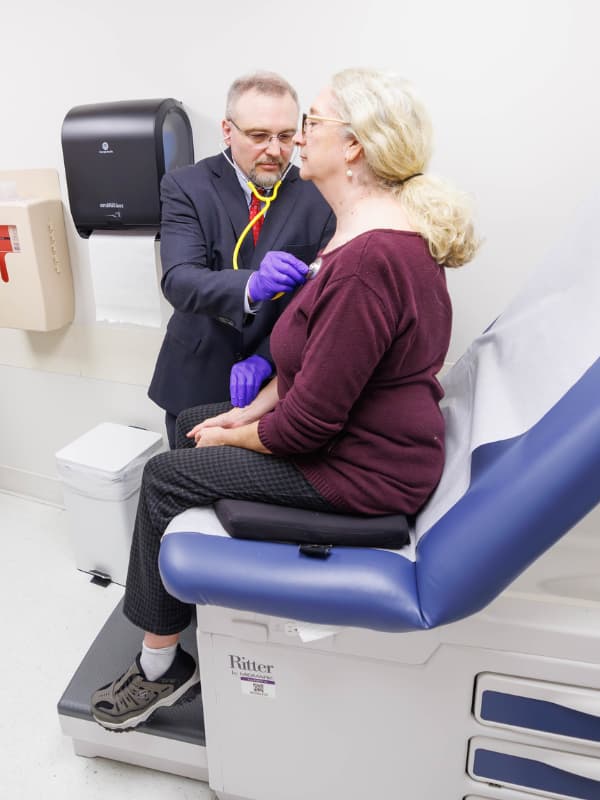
357	351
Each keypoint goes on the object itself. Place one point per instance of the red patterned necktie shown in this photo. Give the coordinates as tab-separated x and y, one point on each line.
253	211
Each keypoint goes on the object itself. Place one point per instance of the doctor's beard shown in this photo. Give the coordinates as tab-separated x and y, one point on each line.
267	179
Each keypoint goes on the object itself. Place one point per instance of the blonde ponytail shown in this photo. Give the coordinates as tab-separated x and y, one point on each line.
394	130
443	216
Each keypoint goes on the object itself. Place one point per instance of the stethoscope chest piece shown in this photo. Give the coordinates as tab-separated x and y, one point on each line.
313	269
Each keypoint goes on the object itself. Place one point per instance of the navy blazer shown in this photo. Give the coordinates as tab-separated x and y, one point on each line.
204	210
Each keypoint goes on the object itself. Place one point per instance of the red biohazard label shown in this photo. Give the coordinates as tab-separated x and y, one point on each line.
6	246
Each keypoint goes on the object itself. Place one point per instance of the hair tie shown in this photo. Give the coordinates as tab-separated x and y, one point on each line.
410	177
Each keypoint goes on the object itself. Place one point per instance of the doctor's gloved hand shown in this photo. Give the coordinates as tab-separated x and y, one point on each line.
246	378
278	272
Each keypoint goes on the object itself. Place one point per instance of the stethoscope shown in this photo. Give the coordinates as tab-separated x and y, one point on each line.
263	199
266	200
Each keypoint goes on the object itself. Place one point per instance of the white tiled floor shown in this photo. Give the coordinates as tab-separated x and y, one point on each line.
51	613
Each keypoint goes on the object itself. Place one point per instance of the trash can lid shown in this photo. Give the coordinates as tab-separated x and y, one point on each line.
109	447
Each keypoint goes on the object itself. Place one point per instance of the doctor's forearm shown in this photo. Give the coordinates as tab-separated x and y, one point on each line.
191	288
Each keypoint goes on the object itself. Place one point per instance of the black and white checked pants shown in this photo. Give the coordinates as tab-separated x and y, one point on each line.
186	477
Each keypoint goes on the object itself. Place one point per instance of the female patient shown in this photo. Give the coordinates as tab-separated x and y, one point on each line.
351	423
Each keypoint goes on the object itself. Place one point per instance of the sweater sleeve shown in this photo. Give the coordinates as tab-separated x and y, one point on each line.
349	329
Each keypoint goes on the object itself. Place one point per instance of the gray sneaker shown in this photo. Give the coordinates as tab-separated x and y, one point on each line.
132	698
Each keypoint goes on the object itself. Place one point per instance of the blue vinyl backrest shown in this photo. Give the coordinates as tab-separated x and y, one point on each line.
524	494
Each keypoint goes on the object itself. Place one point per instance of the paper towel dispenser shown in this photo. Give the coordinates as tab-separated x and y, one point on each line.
115	156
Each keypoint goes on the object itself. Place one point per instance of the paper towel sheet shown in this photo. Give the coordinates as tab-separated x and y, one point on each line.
123	267
518	369
313	633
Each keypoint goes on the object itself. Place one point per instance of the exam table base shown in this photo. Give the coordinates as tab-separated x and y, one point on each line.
353	715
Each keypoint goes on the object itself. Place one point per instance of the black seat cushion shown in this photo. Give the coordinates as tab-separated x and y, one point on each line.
243	519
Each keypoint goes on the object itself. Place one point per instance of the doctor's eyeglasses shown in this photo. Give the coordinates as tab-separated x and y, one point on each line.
309	120
264	138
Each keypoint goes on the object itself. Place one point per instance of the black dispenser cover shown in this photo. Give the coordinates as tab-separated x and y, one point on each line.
115	156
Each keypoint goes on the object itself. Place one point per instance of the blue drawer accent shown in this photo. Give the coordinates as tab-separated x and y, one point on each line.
539	715
501	768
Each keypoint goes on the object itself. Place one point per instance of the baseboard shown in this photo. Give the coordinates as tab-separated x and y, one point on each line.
30	484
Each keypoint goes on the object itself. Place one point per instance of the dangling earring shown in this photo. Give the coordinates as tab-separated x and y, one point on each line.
349	173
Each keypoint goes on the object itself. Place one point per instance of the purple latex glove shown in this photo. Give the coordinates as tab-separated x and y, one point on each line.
246	379
278	272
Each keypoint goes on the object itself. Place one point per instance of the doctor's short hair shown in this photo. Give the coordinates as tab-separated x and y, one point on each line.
394	129
264	82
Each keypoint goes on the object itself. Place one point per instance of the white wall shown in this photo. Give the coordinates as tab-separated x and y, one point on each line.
511	87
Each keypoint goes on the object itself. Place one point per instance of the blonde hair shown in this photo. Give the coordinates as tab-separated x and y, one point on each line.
394	130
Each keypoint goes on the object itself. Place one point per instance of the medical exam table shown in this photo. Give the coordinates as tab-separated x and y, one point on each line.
467	664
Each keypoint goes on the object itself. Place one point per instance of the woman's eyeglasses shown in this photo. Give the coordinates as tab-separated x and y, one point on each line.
308	121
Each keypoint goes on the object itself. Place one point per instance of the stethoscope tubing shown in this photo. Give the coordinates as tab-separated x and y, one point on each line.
267	203
314	268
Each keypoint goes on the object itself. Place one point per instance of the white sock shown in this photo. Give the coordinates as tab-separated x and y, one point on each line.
156	661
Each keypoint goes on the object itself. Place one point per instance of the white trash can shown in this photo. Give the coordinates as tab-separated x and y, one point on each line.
101	473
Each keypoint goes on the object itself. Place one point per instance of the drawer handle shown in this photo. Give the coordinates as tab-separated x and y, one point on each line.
582	766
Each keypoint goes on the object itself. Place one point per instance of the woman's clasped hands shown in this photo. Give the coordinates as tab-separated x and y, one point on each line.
213	431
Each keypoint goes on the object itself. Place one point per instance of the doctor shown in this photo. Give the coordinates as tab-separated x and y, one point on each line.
217	340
